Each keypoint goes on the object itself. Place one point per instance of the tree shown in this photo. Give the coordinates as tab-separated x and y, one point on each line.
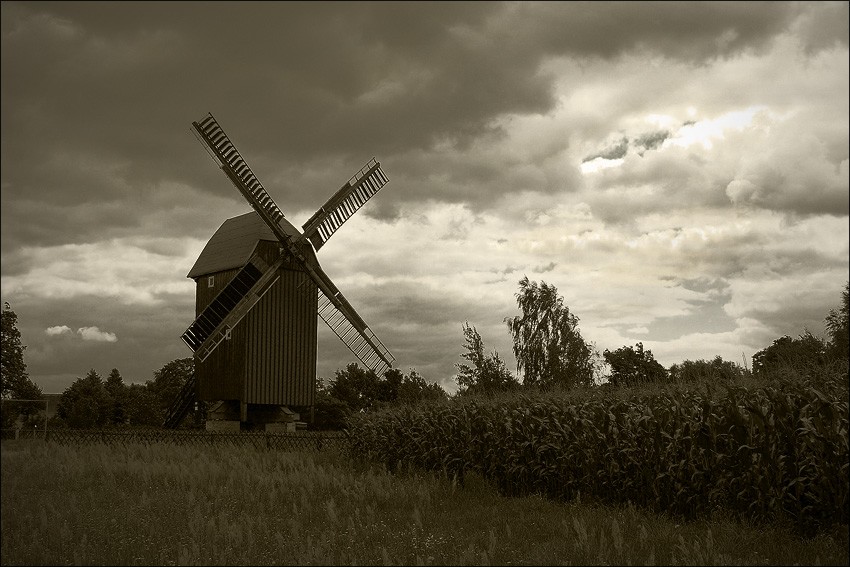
837	323
633	366
118	395
548	346
717	370
357	387
86	403
415	389
168	381
487	374
142	406
14	378
328	411
388	388
805	352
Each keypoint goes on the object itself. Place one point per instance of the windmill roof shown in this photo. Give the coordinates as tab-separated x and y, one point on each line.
233	243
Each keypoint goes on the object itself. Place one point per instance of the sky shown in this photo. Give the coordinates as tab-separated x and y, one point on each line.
678	171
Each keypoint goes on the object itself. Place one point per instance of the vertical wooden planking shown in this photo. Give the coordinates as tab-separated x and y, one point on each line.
281	343
221	376
271	355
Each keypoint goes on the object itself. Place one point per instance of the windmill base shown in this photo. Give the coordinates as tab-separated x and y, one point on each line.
233	416
223	425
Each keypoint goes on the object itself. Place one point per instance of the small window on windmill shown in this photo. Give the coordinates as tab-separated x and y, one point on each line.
211	281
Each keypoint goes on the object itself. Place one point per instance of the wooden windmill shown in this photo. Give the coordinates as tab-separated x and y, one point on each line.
260	292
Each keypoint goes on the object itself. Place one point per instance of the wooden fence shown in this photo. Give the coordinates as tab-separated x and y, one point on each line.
294	441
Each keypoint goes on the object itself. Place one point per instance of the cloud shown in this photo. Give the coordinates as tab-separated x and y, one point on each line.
58	330
86	333
543	269
95	334
613	152
720	131
146	270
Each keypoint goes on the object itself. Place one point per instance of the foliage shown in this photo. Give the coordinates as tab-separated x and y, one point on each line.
168	381
805	352
118	395
86	403
548	346
355	389
837	323
414	389
14	379
488	373
328	412
93	402
778	452
633	366
141	406
717	370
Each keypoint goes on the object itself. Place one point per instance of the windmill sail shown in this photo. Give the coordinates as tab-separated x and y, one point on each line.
344	321
345	202
365	345
239	173
230	305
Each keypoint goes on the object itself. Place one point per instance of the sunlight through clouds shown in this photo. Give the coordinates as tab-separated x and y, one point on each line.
707	132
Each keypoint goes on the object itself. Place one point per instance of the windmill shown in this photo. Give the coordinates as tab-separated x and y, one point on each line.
259	294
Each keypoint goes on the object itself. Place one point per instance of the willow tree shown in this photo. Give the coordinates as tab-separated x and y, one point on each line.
548	346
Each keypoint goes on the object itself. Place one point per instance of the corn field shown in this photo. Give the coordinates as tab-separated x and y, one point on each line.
773	453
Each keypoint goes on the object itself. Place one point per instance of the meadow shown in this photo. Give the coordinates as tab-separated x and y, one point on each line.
161	504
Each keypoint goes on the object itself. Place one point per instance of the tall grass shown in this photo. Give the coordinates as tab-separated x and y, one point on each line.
167	505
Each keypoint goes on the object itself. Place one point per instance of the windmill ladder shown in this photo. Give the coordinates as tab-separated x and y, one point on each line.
181	405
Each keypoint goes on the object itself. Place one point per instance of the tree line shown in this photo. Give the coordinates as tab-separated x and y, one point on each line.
551	353
547	343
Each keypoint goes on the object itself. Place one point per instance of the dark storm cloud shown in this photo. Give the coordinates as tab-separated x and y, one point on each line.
97	97
651	140
824	24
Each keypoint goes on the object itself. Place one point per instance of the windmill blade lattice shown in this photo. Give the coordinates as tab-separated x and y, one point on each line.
365	345
338	314
347	201
240	174
230	306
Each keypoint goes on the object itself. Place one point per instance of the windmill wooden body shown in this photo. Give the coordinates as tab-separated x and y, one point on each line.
259	294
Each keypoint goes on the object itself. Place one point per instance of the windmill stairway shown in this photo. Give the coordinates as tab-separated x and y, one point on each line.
181	405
